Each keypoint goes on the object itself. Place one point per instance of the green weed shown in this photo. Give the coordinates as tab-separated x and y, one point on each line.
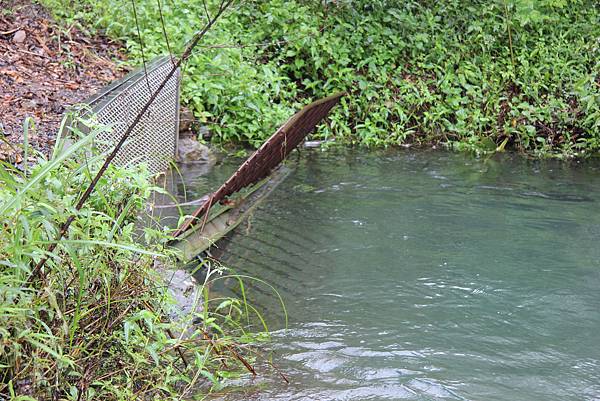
465	73
100	323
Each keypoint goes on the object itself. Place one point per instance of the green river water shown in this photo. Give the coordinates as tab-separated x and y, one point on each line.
427	275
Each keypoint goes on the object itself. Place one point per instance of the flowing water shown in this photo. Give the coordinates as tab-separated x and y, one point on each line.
428	275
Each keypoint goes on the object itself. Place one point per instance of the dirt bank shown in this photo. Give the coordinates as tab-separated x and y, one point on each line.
44	68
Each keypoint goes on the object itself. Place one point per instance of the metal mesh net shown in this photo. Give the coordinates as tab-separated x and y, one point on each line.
154	140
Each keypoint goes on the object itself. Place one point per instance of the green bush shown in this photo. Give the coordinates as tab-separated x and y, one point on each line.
475	75
96	325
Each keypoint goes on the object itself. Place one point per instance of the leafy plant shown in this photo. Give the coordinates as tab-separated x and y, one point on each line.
99	323
453	72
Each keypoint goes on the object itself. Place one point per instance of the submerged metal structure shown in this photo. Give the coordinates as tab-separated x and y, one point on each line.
262	162
154	140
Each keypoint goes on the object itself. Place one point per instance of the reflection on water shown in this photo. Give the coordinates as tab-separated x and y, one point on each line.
428	275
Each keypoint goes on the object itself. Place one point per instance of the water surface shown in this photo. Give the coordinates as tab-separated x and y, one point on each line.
428	275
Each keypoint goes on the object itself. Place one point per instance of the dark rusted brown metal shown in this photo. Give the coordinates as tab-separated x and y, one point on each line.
268	156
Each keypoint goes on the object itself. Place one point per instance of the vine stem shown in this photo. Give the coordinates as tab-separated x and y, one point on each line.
510	42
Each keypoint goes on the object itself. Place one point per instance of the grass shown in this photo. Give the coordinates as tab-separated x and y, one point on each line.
473	75
100	323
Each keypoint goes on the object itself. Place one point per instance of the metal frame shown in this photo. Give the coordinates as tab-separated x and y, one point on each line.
155	139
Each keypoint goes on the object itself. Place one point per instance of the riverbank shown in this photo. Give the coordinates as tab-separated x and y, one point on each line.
98	320
477	76
45	67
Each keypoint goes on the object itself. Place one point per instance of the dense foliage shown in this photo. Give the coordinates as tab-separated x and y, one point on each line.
98	323
477	75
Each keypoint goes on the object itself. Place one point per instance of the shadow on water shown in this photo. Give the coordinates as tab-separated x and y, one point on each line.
427	275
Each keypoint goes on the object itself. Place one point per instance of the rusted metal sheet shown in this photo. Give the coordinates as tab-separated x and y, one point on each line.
268	156
194	241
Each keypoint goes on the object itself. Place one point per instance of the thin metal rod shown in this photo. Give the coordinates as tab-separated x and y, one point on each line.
139	34
164	30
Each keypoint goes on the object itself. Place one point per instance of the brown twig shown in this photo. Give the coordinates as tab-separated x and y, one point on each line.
240	358
5	33
32	53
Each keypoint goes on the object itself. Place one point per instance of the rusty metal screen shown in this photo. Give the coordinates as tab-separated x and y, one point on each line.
154	140
269	155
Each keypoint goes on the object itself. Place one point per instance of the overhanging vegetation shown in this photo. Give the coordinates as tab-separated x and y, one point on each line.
476	75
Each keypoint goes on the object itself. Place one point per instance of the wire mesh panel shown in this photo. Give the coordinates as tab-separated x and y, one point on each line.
154	140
